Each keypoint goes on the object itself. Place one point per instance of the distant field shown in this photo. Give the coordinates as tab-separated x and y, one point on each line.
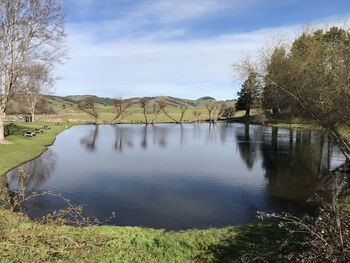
67	110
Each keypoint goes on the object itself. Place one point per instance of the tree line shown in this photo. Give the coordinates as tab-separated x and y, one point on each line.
308	78
151	109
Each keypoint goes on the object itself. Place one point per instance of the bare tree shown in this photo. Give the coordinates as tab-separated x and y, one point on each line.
163	104
88	106
144	102
30	31
197	114
36	82
220	110
121	108
210	106
183	109
157	107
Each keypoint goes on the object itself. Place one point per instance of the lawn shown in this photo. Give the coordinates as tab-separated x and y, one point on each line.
20	149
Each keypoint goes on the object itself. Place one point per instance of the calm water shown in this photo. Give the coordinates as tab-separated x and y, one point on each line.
180	177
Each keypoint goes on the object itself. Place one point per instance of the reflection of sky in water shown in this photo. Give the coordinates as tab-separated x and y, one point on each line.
185	176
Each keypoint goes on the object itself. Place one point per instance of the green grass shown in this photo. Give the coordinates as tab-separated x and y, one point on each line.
21	149
24	241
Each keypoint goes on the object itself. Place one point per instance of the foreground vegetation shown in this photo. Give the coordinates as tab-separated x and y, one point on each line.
24	241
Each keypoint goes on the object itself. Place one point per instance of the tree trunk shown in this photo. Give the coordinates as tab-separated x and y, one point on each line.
166	114
33	116
2	128
247	112
145	115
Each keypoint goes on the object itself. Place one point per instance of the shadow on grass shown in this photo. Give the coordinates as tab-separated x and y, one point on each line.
18	129
251	244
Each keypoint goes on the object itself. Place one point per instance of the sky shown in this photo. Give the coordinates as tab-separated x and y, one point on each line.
180	48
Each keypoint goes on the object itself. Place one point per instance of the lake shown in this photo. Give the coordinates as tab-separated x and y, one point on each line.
180	176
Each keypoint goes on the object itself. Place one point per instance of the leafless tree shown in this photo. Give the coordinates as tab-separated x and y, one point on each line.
88	106
220	110
197	114
36	82
163	104
210	106
183	109
30	31
156	109
144	102
121	108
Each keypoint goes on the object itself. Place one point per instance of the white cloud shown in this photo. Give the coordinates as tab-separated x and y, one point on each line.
154	65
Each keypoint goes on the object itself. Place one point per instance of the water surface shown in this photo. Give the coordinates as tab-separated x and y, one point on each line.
180	176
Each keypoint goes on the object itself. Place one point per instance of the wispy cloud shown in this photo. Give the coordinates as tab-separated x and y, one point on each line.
119	57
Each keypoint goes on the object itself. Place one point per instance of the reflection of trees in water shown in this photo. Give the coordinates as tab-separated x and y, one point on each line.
123	136
154	134
37	172
293	165
215	132
90	141
295	161
247	146
158	135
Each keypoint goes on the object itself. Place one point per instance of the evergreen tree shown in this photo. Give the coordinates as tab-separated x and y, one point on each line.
248	96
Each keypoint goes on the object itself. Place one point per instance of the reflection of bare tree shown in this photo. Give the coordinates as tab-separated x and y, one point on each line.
159	136
246	146
211	133
90	140
215	132
144	137
182	135
223	132
123	135
37	172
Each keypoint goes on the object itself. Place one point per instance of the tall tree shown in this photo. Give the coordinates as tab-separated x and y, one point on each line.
272	98
36	82
144	103
249	94
30	31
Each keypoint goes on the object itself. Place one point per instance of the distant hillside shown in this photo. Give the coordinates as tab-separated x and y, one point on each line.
74	100
206	98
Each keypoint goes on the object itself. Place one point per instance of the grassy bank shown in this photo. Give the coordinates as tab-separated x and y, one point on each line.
21	149
24	241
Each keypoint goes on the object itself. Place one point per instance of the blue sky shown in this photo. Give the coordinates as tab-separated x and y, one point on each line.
182	48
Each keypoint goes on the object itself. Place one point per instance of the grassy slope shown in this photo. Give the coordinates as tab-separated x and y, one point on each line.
25	241
21	149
